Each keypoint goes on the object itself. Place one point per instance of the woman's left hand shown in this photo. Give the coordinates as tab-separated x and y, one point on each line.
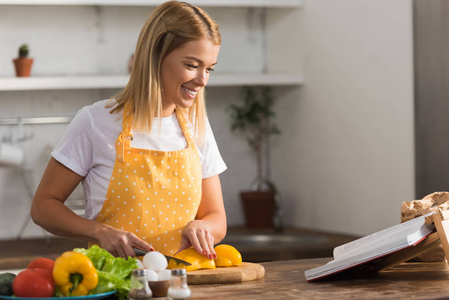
197	233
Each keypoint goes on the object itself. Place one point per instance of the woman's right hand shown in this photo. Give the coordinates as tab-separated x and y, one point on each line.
120	242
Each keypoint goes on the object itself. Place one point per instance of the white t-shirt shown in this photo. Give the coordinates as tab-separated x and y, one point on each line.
87	148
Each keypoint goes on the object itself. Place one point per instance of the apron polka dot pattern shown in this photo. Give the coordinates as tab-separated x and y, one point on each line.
153	194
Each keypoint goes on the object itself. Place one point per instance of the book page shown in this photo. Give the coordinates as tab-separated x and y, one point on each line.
345	263
404	233
370	254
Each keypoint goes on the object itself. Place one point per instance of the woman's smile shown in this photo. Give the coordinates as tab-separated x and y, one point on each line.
189	92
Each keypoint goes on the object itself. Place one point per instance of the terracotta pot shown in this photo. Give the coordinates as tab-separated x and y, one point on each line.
259	209
23	66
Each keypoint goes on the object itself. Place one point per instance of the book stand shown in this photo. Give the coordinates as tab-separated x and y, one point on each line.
441	236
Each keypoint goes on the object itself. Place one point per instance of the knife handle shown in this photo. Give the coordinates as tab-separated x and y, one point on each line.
139	252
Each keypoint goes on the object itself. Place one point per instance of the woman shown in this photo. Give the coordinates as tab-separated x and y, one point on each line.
147	158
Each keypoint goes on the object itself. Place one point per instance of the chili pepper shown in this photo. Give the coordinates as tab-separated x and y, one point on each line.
75	274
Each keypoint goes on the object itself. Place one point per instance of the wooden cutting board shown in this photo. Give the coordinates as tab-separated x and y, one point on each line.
245	272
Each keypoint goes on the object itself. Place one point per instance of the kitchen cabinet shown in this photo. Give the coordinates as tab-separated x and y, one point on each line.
87	79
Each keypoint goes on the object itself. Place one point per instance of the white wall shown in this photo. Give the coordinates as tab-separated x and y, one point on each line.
344	161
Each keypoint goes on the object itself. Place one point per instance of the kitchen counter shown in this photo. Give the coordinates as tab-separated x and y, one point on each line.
285	280
263	245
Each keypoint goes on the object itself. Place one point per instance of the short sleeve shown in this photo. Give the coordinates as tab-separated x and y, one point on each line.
212	162
75	149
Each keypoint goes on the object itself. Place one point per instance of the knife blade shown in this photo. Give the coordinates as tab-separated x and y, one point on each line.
141	252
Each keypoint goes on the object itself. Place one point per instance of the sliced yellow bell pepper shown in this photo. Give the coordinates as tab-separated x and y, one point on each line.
227	256
75	274
198	261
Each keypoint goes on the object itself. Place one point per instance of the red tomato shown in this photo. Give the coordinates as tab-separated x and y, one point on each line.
33	283
42	263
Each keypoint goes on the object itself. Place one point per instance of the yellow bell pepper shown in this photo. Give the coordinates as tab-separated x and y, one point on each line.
75	274
198	261
227	256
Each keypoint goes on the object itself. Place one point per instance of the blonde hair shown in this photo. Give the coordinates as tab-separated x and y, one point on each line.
171	25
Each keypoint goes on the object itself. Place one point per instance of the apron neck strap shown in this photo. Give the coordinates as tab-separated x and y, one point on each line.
185	128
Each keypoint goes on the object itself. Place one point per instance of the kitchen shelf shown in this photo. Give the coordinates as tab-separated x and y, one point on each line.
105	82
203	3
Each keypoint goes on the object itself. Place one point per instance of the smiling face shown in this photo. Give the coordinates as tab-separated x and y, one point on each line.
185	71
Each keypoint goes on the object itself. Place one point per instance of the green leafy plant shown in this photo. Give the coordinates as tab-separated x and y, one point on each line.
254	118
24	51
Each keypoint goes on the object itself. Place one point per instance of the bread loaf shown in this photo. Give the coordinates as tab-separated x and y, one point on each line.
416	208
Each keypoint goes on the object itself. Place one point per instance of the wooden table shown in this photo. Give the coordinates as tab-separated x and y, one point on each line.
285	280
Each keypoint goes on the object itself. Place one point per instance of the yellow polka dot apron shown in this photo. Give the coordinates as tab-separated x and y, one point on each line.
153	194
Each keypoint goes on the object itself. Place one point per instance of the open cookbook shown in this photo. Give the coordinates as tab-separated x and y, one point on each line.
374	246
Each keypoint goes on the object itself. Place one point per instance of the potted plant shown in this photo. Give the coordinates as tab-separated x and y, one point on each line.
23	63
254	119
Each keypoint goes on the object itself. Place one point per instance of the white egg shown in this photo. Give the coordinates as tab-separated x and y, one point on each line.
155	261
139	264
151	275
164	275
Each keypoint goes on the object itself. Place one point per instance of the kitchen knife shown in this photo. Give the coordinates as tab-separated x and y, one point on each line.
140	252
